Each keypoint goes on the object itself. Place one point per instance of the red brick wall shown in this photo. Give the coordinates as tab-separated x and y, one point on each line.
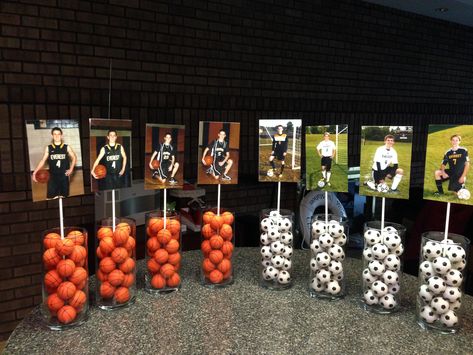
182	61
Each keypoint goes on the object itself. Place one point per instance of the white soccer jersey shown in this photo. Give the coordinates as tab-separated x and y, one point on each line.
327	148
385	157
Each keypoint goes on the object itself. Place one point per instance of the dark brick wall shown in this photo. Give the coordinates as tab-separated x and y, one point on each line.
182	61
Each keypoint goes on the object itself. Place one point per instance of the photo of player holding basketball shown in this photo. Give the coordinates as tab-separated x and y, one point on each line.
220	154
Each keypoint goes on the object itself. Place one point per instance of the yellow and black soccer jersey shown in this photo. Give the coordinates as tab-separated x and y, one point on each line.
113	159
58	160
456	160
280	143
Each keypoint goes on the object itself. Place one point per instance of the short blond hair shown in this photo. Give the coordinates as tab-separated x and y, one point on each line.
456	135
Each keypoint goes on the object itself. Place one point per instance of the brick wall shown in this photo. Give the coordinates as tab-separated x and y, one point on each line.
188	60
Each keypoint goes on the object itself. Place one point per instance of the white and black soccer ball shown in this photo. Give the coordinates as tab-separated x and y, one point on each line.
277	247
392	262
372	237
315	246
452	294
326	240
321	184
266	252
379	288
287	265
455	253
273	233
441	265
284	277
453	278
270	273
286	238
284	225
270	173
323	276
318	227
266	263
288	251
376	267
380	251
336	229
431	250
439	305
278	261
323	259
265	224
335	267
390	277
392	241
449	319
463	194
368	277
436	285
383	188
316	285
388	301
333	287
340	241
425	293
314	265
370	298
336	253
426	270
428	315
368	254
264	239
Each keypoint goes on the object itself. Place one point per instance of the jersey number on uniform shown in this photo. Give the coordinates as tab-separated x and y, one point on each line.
113	164
58	164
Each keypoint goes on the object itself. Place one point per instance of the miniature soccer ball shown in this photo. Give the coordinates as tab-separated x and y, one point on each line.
270	273
455	253
449	319
270	173
379	288
452	294
284	277
388	301
278	261
266	263
274	215
265	224
380	251
426	270
333	287
392	241
319	227
286	238
335	267
266	252
314	266
453	278
392	262
372	237
335	229
315	246
454	306
284	225
399	250
340	241
316	285
370	298
323	259
389	230
287	265
277	247
428	315
459	265
273	234
436	285
338	277
394	288
321	183
336	253
439	305
425	293
323	276
368	254
264	239
376	267
463	194
441	265
326	240
383	188
287	253
431	250
368	278
390	277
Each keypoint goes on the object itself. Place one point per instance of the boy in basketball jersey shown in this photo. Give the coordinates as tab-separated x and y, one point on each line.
279	149
61	160
222	163
326	150
458	165
113	157
386	166
166	157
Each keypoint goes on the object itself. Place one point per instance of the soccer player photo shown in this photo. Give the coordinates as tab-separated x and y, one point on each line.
279	150
55	159
219	144
164	156
385	161
327	157
110	158
447	164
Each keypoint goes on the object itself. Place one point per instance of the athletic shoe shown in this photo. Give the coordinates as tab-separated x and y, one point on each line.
438	194
371	185
208	171
155	175
394	192
328	184
172	181
226	177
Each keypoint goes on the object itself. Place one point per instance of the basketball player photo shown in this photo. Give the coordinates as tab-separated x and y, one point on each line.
110	158
447	164
385	161
219	144
164	156
279	150
55	159
327	157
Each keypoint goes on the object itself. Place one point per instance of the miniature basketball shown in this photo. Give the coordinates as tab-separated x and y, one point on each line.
119	255
153	266
216	256
226	232
172	246
107	290
208	160
205	247
66	314
152	244
174	280
207	265
177	267
120	236
107	245
122	295
50	240
216	242
99	253
161	256
207	217
158	282
101	275
125	226
65	267
100	171
167	270
216	222
107	265
79	253
66	290
130	245
77	237
42	176
227	248
155	224
128	265
78	276
155	164
54	303
174	258
215	276
228	274
207	231
104	232
51	258
164	236
116	277
128	280
227	217
224	266
174	226
78	300
64	246
52	279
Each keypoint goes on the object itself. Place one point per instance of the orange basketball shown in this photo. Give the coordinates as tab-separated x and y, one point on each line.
101	275
174	258
227	274
107	265
122	295
226	232
78	300
66	290
104	232
177	267
224	266
52	279
227	248
207	231
78	254
116	277
158	282
120	236
172	246
152	244
161	256
208	160
51	258
99	253
153	266
215	277
164	236
78	276
207	217
155	164
106	290
216	256
128	265
205	247
81	286
155	224
128	280
42	176
100	171
66	314
216	222
173	226
207	265
167	270
64	246
54	303
130	245
50	240
107	245
77	237
119	255
216	242
65	267
228	217
148	232
174	280
125	226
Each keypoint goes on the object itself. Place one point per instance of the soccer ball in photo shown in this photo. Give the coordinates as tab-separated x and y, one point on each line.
382	187
321	183
270	173
463	194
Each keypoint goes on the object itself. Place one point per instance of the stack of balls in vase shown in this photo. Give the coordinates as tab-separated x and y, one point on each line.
381	277
163	251
276	249
441	277
326	263
66	276
217	247
116	264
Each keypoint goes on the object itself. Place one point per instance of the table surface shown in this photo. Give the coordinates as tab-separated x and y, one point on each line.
246	318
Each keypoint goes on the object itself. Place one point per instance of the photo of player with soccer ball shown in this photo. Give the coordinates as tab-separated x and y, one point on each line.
385	161
279	150
55	159
164	156
327	157
219	144
110	154
447	164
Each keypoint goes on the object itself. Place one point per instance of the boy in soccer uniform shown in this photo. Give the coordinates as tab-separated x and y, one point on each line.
166	157
326	150
113	157
61	160
222	163
458	165
279	149
385	166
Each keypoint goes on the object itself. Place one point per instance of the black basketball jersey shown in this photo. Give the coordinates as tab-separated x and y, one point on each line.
280	143
218	149
165	152
58	160
456	159
113	159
